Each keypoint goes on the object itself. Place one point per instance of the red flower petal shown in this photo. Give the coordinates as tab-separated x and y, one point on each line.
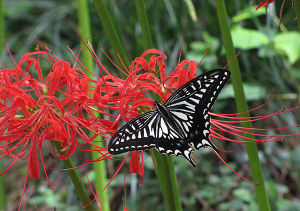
135	165
264	3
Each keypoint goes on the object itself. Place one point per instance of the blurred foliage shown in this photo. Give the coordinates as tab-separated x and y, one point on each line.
269	58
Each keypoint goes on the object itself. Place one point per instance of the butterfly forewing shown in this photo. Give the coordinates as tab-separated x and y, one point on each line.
143	132
190	105
137	134
200	91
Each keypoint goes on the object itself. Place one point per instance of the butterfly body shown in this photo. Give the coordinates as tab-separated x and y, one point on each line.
182	123
167	116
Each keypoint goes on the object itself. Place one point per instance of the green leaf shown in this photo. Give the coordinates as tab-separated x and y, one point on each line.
248	38
252	92
289	43
248	12
295	73
243	194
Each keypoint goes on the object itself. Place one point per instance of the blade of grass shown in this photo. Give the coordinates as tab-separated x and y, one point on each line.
111	31
2	186
165	166
144	23
77	182
241	104
87	59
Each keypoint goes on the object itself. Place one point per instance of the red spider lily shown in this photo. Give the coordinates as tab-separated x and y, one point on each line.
56	108
130	95
264	3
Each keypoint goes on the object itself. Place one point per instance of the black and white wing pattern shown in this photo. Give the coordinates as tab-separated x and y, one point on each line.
179	125
137	134
189	107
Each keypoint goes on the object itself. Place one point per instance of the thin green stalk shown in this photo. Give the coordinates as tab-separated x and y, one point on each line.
157	162
85	33
2	190
168	181
297	10
111	31
242	106
87	59
2	186
77	182
165	166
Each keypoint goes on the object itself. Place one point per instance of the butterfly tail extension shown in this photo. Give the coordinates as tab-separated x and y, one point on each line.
187	155
211	145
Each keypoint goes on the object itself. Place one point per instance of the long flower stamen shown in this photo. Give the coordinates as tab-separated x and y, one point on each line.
233	169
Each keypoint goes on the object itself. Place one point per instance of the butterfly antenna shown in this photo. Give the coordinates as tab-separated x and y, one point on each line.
234	170
238	53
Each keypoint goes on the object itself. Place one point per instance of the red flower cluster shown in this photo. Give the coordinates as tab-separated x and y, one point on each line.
34	109
129	94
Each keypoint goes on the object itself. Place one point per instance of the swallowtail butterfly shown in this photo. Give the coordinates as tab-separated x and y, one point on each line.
182	123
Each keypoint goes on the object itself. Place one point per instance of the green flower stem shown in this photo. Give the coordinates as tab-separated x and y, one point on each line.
111	31
159	173
87	59
165	166
297	9
242	106
168	181
2	190
85	32
77	182
2	186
